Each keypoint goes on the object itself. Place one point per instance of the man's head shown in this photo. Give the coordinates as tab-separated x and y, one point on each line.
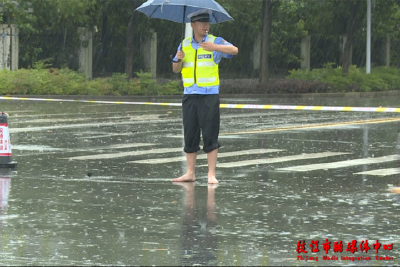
200	23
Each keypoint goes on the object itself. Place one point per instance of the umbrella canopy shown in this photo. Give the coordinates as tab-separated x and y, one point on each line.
179	10
182	10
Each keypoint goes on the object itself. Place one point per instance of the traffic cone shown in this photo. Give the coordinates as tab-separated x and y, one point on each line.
5	143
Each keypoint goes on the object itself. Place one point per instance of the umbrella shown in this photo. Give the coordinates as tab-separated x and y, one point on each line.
179	10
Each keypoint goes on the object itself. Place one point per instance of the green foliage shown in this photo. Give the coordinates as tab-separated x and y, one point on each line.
51	32
42	64
380	78
52	81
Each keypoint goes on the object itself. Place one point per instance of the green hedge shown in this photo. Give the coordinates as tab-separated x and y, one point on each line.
380	78
41	81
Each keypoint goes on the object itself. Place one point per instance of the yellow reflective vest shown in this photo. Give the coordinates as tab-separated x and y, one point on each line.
198	66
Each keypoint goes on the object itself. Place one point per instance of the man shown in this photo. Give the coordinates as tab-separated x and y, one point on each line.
198	58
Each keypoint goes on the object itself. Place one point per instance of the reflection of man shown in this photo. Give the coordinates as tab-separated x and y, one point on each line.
199	241
198	58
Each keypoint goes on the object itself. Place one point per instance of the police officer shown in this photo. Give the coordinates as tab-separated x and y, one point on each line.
198	58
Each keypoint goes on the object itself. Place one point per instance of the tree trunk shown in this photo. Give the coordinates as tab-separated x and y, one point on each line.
265	37
129	39
346	55
398	57
398	52
351	28
104	40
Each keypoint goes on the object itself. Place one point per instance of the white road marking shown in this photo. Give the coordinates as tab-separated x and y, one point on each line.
341	164
276	160
47	148
87	125
381	172
204	156
127	154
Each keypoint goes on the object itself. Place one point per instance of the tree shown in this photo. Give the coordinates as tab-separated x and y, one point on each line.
354	20
132	26
242	32
51	30
397	27
109	47
335	18
265	38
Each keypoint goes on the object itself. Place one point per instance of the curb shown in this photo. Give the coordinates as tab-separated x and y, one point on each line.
308	95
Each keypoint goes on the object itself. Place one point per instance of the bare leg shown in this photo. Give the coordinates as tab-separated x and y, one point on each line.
191	164
212	163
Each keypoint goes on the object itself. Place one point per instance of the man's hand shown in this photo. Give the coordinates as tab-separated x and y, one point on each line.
180	55
177	66
208	46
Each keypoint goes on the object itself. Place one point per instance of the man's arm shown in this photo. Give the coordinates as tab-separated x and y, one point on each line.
227	49
177	67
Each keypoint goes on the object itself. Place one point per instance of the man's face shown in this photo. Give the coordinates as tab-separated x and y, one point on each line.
201	27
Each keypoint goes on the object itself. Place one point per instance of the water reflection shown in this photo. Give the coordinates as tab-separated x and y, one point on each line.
396	189
199	239
398	143
57	214
5	184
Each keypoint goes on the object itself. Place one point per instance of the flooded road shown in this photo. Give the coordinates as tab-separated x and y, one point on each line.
93	186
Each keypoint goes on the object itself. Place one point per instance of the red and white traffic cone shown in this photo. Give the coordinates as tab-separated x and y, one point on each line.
5	143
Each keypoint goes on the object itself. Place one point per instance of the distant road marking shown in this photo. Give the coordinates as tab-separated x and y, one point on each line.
381	172
340	164
314	126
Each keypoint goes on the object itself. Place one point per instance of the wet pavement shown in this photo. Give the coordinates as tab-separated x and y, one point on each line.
93	186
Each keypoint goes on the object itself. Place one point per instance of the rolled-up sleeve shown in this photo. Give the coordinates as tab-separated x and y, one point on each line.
218	55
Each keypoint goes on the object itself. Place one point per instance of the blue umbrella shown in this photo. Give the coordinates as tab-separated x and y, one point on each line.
179	10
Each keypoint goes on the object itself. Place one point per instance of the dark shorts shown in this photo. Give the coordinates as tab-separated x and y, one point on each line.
201	112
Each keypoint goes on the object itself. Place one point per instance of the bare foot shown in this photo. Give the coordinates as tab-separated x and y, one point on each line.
185	178
212	179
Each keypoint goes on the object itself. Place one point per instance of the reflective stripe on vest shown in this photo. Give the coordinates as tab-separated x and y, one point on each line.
206	80
188	65
199	66
205	64
188	80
